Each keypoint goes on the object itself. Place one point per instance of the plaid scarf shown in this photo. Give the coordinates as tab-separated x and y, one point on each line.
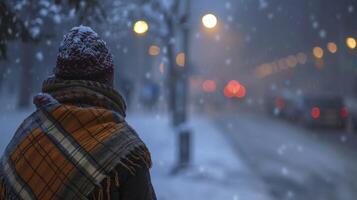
67	149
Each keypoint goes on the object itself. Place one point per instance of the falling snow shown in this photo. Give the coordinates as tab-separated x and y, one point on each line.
39	56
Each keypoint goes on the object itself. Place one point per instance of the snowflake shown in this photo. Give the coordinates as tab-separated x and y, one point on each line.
315	25
43	12
57	19
270	16
236	197
228	5
125	50
284	171
35	31
228	61
248	38
351	8
323	34
217	38
39	56
263	4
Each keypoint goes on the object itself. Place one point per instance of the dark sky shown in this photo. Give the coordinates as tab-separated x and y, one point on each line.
279	27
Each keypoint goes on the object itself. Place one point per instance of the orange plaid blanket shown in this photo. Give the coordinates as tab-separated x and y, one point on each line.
64	150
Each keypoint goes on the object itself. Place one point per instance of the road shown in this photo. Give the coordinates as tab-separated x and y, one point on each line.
294	162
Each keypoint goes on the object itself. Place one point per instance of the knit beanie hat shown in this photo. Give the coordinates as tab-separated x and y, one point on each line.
83	55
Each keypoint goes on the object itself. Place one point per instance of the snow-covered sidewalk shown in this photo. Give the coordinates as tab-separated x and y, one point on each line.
217	173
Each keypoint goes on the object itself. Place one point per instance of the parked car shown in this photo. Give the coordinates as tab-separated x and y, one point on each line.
319	110
351	104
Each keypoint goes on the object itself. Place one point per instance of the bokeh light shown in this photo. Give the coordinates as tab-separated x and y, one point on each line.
351	43
154	50
181	59
141	27
209	86
318	52
292	61
315	112
332	47
241	92
209	21
301	58
234	89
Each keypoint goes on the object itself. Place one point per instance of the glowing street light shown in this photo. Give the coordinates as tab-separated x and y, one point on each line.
209	21
318	52
332	47
351	43
181	59
141	27
154	50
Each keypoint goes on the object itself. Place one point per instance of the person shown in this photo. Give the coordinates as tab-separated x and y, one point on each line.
77	144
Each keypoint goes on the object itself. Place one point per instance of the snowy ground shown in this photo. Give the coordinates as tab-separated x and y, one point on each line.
217	173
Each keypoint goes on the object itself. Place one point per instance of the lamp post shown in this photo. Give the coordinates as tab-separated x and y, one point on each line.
179	77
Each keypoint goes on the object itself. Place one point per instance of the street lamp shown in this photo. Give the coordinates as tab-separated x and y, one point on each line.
318	52
332	47
141	27
351	43
209	21
181	59
154	50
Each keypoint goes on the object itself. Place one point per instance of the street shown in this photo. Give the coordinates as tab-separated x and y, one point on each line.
292	161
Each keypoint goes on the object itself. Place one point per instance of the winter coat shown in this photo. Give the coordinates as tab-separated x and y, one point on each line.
76	145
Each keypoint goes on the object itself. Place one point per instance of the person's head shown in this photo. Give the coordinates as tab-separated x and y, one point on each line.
83	55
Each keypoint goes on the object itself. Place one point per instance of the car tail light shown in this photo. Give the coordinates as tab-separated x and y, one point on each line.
315	112
344	112
280	103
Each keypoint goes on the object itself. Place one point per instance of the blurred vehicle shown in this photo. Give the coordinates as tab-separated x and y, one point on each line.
351	104
318	110
278	102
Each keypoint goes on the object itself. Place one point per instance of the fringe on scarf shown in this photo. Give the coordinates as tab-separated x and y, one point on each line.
5	192
139	157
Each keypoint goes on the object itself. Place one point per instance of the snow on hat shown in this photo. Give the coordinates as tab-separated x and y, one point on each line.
83	55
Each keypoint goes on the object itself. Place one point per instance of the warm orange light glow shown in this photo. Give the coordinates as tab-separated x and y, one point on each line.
209	21
318	52
233	86
332	47
154	50
241	92
292	61
351	43
141	27
282	64
315	112
301	58
181	59
209	86
162	68
234	89
228	93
